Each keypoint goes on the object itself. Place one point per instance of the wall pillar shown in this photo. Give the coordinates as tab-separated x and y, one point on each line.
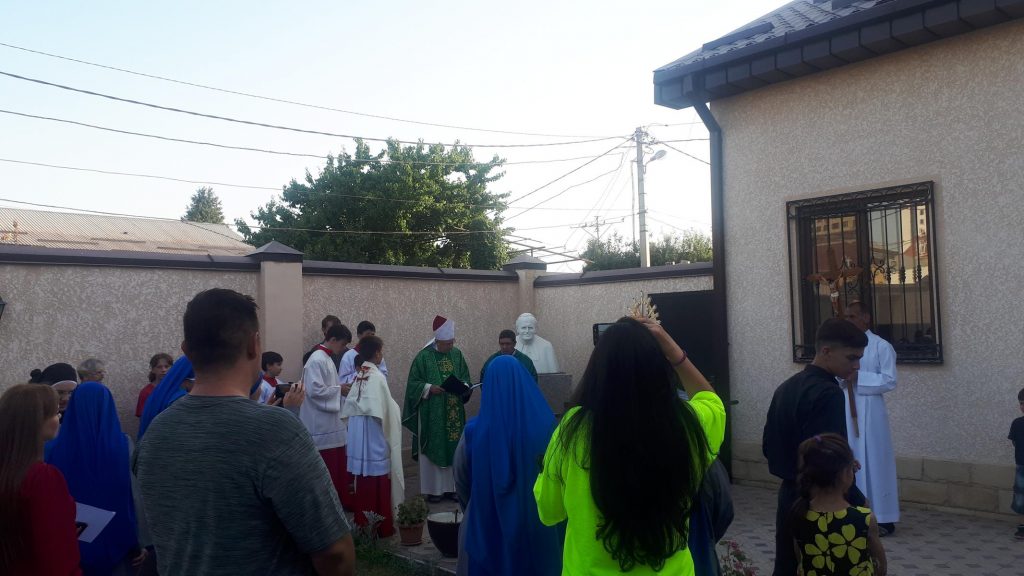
279	296
528	269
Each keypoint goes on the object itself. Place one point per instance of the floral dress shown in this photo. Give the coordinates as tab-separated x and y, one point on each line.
835	543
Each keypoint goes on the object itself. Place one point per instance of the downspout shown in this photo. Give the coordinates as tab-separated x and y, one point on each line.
719	326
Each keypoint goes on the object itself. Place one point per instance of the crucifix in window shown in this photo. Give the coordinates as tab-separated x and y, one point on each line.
835	277
832	279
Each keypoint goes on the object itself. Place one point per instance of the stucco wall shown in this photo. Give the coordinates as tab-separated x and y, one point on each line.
947	111
120	315
403	309
566	314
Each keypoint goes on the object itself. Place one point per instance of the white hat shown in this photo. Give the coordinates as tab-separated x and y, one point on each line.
444	329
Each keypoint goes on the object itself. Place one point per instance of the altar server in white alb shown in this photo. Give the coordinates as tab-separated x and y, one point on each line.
873	446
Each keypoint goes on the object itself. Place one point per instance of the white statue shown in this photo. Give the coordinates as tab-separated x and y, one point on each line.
538	349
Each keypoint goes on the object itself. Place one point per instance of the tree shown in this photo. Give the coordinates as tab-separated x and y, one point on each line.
611	254
416	205
204	207
615	253
689	246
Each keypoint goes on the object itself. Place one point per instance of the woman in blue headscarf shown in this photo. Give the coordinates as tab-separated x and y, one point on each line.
170	389
93	454
496	464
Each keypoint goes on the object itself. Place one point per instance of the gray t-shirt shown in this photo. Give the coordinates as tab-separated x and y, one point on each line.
232	487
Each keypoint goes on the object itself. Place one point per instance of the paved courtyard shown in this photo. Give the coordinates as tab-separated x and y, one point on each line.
926	543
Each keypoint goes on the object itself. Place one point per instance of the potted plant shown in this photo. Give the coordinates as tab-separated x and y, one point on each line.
444	532
410	517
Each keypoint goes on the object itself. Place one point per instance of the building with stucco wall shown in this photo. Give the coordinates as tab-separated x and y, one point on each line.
891	132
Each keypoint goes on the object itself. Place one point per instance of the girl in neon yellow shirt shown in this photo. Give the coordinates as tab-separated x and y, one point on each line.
625	465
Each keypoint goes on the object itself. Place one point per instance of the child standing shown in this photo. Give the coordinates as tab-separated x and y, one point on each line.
831	536
1017	436
271	362
159	364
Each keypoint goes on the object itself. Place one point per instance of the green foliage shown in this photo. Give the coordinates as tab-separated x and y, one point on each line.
412	512
611	254
204	207
416	188
691	246
614	252
378	558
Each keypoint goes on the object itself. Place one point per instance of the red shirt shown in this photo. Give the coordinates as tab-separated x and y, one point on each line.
270	380
49	510
143	395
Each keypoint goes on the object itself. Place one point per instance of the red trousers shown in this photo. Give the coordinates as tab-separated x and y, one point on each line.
373	494
337	465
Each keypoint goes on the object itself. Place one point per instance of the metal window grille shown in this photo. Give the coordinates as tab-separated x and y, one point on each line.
882	242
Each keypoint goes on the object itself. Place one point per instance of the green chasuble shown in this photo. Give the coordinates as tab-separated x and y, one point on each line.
436	422
523	359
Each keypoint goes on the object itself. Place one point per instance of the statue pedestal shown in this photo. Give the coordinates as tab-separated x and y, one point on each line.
556	388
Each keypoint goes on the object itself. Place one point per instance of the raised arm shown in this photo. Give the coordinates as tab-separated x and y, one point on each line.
692	379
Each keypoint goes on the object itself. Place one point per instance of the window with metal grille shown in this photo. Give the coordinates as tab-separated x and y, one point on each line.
876	247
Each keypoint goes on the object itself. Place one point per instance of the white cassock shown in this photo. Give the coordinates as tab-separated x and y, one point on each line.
321	410
541	352
877	476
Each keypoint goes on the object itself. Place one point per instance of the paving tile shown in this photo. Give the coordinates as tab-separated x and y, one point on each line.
926	542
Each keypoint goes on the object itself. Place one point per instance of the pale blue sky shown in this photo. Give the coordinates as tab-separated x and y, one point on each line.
551	67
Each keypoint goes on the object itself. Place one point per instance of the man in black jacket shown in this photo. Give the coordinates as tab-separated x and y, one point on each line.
809	403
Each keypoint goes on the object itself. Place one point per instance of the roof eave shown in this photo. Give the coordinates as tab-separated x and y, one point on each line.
874	32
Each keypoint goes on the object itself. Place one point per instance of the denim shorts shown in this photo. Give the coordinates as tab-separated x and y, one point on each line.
1018	491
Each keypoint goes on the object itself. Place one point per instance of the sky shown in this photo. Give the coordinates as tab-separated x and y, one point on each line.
571	69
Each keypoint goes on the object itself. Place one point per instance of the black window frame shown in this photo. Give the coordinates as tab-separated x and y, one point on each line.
805	296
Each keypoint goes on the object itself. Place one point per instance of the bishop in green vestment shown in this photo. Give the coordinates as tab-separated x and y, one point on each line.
435	417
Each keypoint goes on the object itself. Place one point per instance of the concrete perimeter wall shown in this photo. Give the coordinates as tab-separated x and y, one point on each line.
65	306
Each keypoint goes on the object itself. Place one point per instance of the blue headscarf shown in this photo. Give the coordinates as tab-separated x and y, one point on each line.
166	392
505	445
92	453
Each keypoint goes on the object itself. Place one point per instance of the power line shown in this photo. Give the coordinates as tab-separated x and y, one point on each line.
277	152
567	174
577	185
137	175
291	102
665	144
211	183
600	201
280	127
439	233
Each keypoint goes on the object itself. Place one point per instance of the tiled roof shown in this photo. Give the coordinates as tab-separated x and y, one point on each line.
792	17
808	36
96	232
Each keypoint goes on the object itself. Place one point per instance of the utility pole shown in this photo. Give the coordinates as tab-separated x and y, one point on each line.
598	222
645	251
632	203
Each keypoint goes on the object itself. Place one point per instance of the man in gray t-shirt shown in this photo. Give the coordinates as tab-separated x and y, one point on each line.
230	486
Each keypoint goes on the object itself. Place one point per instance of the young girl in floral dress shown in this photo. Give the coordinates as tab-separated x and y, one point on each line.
833	538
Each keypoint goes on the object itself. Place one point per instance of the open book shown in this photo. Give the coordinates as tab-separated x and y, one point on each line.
453	385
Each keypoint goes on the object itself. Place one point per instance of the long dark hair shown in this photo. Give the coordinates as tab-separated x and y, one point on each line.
823	459
644	448
23	410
